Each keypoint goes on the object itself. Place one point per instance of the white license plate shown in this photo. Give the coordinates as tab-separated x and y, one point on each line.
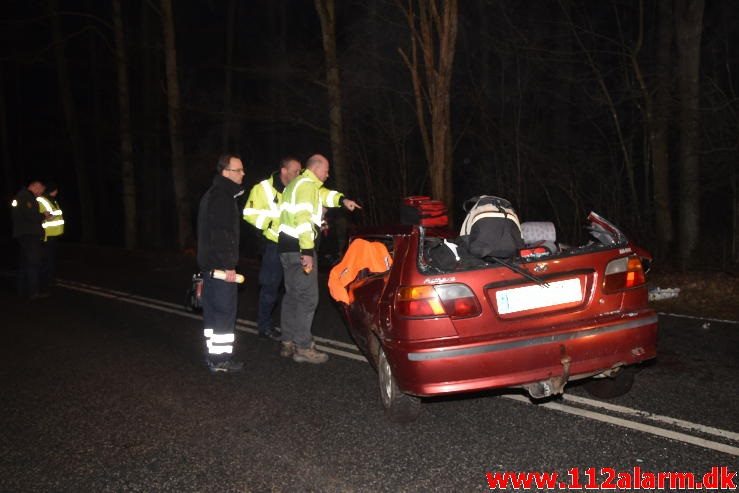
531	297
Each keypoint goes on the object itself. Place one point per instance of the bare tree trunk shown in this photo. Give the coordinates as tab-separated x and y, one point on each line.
658	135
9	187
735	222
127	168
326	12
70	116
94	147
688	30
278	106
150	125
434	33
228	75
179	175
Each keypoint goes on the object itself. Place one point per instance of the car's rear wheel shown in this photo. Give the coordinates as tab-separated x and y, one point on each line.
399	407
610	387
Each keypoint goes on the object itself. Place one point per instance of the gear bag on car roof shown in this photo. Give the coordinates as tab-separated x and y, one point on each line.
491	227
422	210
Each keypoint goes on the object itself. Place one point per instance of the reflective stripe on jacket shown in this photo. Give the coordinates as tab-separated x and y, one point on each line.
262	208
302	209
53	226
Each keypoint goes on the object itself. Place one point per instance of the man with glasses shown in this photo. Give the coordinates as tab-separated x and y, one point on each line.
218	249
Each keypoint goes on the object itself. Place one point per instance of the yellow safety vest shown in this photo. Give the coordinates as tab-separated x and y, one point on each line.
54	225
262	208
302	208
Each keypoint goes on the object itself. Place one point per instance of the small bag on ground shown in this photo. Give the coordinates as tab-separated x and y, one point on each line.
194	300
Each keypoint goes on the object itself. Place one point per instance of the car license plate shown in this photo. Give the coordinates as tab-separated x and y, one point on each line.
532	297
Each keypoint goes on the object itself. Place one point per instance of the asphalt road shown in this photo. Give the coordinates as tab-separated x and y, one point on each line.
103	390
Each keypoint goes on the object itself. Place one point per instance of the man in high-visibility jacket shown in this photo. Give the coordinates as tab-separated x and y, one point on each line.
262	210
300	221
53	228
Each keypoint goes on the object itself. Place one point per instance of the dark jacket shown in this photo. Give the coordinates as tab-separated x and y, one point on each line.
27	218
218	225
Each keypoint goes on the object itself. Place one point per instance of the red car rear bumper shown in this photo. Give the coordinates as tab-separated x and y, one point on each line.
426	369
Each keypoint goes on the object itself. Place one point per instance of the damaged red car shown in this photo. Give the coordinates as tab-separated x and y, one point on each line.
550	315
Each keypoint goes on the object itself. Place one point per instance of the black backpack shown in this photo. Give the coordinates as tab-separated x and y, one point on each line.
491	227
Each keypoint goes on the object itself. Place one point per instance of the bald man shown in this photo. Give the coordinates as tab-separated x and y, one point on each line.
300	222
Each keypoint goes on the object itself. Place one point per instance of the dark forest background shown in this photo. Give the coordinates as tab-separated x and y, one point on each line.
624	107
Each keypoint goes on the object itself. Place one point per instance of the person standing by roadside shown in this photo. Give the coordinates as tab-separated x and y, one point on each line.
218	249
262	210
53	226
29	235
300	221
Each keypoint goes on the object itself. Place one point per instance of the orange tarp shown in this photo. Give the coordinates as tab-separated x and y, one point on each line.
361	254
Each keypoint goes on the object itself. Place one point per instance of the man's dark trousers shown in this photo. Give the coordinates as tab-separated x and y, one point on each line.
220	301
48	269
270	278
31	258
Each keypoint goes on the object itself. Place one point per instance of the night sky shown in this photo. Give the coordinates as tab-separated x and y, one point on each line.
547	107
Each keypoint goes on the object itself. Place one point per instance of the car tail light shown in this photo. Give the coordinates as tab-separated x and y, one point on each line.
451	300
623	273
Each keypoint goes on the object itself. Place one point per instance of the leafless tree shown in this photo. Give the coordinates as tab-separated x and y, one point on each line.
688	32
87	205
327	13
124	108
179	175
658	134
4	144
228	76
613	111
433	27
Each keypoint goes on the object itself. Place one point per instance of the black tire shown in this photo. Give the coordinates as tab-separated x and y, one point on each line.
399	407
610	387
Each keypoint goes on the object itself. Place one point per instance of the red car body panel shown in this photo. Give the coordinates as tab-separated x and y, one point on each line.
518	338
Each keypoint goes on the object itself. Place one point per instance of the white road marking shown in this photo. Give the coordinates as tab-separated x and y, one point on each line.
717	320
244	325
708	430
633	425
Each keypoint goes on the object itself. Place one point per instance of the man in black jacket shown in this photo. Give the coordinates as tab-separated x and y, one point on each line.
218	249
29	234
